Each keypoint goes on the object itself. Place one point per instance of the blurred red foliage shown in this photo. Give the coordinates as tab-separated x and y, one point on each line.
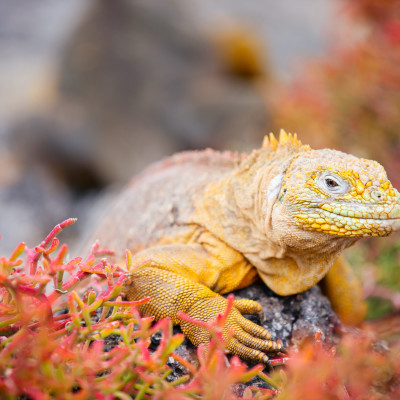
356	369
52	343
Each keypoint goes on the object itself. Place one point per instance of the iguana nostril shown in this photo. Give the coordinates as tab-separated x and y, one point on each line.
376	195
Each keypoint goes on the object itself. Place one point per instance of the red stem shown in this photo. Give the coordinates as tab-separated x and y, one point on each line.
34	256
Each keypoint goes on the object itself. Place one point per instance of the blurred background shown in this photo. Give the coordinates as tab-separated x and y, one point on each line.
92	91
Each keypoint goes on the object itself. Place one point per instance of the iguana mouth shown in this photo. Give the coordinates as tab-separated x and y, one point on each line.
351	219
363	211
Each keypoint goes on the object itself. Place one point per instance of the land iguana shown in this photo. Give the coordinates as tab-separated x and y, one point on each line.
212	222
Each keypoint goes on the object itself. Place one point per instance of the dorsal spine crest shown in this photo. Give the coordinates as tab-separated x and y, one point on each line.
285	139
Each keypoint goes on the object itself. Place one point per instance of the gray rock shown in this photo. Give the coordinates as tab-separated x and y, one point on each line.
294	318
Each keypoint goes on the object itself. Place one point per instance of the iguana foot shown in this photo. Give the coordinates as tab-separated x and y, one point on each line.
249	341
171	294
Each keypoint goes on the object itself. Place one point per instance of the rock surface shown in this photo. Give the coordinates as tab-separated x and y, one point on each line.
294	318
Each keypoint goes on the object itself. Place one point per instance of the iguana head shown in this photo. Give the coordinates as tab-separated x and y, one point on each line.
338	194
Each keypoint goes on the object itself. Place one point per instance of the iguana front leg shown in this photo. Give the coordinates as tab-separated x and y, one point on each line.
174	286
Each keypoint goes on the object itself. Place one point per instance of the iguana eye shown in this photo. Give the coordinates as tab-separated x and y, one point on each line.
333	184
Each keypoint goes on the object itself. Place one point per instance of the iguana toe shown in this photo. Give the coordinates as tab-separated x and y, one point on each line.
246	306
245	352
254	329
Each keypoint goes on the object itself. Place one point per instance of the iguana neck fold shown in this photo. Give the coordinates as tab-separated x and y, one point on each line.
229	207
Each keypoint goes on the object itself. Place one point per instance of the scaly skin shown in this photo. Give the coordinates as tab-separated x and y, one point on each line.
212	222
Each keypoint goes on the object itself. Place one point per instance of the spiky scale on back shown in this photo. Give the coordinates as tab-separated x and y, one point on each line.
287	140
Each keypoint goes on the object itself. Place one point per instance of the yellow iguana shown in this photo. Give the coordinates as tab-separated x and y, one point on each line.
213	222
